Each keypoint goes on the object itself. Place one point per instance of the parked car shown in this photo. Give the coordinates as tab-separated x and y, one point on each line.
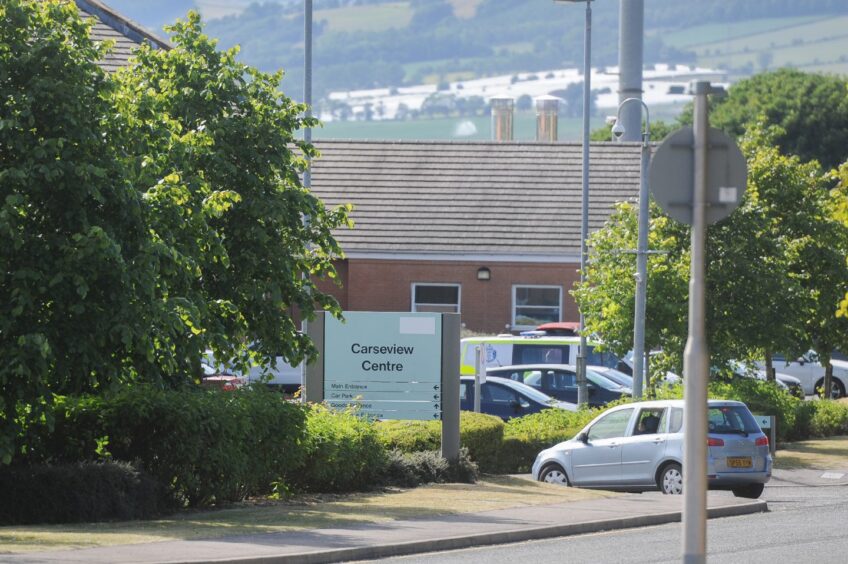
506	398
567	328
560	381
789	383
625	365
219	379
281	376
616	376
809	370
639	447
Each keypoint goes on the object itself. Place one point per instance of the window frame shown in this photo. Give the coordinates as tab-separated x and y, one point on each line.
414	305
514	307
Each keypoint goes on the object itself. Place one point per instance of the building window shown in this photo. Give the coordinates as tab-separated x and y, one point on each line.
435	298
534	305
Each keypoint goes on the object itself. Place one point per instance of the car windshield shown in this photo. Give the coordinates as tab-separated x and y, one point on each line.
619	378
601	381
531	392
731	419
601	358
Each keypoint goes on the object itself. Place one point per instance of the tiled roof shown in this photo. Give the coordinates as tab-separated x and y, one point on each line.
518	199
126	34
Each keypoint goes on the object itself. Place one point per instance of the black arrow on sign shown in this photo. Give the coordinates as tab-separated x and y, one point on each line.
436	387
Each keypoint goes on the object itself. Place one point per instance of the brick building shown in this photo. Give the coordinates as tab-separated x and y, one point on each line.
489	230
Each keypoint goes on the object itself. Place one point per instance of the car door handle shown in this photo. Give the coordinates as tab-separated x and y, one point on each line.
613	445
658	441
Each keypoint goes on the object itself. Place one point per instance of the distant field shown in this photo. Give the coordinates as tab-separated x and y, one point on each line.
368	18
694	36
810	43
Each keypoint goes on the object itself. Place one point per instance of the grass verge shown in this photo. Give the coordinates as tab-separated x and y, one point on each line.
821	454
301	512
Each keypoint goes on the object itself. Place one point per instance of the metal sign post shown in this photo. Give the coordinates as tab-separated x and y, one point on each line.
698	177
696	357
479	374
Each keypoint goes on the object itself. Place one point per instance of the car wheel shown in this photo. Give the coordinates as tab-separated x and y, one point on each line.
751	491
670	480
554	474
837	390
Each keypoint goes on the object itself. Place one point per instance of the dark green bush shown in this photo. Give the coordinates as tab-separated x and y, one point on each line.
525	437
410	469
828	418
344	452
481	434
764	398
81	492
207	446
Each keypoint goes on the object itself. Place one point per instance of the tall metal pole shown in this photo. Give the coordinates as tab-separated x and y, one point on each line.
696	355
630	47
641	248
307	84
582	387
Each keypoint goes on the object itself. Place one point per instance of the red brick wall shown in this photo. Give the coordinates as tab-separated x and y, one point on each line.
486	306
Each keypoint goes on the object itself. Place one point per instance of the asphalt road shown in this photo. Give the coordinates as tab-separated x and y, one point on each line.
805	523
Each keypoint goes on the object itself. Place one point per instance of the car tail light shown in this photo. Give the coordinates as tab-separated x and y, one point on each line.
712	441
761	441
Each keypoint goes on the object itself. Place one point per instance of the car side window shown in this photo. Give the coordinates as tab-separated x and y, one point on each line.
463	390
649	421
562	380
611	425
498	394
675	422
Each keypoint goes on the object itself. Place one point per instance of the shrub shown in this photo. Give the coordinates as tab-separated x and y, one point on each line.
525	437
828	418
206	446
70	493
410	469
344	452
481	434
764	398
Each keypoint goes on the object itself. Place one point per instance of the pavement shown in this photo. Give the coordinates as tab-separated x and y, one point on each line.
411	536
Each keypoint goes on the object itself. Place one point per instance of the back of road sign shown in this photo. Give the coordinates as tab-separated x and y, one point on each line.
672	175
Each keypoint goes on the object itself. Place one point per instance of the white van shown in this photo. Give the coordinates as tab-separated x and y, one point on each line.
510	350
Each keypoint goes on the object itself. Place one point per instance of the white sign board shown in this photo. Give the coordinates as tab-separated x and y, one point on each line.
387	365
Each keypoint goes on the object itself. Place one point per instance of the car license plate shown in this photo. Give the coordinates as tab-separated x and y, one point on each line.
739	462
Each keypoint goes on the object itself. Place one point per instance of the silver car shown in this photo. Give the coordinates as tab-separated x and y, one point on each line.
639	447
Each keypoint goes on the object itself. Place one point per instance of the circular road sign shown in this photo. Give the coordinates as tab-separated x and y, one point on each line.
672	175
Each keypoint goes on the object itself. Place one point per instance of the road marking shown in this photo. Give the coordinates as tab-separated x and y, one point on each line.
832	475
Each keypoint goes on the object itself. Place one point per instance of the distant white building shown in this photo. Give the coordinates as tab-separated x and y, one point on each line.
663	84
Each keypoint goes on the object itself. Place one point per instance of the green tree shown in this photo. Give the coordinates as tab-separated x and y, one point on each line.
811	110
770	268
608	297
72	236
211	147
145	218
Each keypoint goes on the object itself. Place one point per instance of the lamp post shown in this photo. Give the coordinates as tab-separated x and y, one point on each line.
582	387
307	85
641	247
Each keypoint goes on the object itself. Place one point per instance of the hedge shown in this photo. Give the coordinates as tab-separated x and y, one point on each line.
207	447
343	452
81	492
481	434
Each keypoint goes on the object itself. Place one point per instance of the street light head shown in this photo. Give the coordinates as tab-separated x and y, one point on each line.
617	129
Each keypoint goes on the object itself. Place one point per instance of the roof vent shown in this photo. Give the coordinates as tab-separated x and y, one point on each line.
502	110
547	109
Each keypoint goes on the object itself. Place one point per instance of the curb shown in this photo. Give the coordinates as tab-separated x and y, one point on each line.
487	539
